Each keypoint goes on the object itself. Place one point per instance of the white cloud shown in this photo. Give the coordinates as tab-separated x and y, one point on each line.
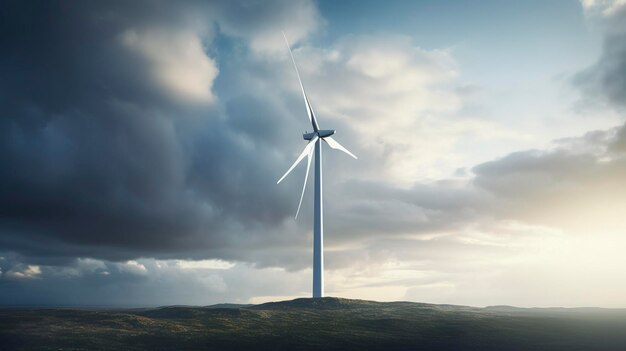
20	272
607	15
177	61
606	8
204	264
133	267
401	104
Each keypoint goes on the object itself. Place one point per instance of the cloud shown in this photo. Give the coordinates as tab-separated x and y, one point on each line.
574	186
27	272
105	151
132	267
204	264
606	79
146	282
603	8
178	62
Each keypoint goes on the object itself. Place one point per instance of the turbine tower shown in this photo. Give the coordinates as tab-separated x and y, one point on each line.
314	146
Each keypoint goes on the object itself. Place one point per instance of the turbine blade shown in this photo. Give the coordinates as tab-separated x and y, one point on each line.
306	150
306	177
309	109
335	145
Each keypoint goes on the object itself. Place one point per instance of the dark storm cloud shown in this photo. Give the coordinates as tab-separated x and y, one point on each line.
99	161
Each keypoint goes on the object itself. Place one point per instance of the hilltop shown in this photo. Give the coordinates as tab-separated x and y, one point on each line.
314	324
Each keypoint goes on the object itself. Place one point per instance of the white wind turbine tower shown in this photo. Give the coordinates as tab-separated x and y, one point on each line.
315	145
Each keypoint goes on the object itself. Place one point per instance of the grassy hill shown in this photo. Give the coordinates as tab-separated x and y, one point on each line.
314	324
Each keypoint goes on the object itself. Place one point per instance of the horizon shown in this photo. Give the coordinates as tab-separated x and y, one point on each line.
140	145
244	305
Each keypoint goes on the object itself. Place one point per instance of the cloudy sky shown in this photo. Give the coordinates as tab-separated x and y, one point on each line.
140	144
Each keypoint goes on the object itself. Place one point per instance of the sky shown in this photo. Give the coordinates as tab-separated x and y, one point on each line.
140	144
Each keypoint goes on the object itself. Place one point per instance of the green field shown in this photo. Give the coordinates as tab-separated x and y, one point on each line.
314	324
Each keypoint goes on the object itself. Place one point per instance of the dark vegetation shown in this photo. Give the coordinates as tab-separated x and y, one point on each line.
314	324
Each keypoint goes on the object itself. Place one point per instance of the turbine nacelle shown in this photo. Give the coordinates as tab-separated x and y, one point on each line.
322	133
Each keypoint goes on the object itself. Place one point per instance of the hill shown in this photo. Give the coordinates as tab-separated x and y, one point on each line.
314	324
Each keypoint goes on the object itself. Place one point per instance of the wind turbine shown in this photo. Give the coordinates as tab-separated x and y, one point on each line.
314	146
